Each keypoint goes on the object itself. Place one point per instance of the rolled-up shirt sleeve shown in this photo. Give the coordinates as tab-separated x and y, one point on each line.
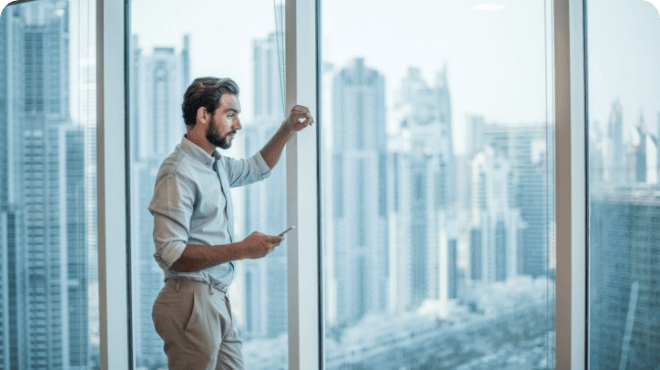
172	208
243	172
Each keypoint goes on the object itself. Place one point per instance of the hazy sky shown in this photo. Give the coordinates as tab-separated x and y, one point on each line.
496	59
624	61
221	32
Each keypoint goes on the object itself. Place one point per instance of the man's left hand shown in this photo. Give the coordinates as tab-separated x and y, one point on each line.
299	118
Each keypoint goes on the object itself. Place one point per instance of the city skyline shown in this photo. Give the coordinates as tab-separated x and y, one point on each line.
425	109
464	63
45	197
425	244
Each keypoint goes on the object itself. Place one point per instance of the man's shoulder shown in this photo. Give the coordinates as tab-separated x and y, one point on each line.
177	163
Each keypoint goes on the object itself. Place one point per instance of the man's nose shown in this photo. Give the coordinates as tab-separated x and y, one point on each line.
237	124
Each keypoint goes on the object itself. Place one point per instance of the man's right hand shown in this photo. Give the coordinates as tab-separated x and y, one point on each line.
258	245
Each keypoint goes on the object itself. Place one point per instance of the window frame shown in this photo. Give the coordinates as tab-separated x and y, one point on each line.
303	201
112	188
571	184
303	185
305	264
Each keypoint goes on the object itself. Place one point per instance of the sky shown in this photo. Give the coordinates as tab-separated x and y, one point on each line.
222	34
498	52
624	62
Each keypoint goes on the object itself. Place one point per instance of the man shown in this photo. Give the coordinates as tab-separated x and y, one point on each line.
194	226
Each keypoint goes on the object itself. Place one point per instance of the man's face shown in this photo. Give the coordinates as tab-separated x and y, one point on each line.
224	123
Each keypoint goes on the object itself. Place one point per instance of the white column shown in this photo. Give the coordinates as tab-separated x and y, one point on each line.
571	187
302	193
111	182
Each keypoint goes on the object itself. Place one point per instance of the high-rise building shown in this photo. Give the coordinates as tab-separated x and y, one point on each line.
529	149
147	277
596	159
265	283
87	123
42	195
359	192
268	58
424	115
265	211
613	145
13	228
159	94
495	233
73	171
12	217
10	82
13	303
159	82
643	155
423	186
624	288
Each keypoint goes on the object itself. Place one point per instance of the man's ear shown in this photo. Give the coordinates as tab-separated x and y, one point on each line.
203	116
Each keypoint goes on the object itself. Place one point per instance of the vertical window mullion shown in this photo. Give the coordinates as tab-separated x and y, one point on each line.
302	190
113	313
571	188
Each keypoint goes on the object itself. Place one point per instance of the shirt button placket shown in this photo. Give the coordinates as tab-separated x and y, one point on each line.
227	212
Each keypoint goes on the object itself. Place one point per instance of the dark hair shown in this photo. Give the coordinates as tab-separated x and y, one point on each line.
205	92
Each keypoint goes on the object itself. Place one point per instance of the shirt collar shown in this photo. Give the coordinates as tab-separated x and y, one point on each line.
199	153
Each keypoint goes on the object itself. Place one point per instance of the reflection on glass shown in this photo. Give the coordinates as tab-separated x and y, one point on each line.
168	50
48	265
438	193
624	240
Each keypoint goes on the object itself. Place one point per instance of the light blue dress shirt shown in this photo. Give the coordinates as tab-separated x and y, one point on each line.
192	205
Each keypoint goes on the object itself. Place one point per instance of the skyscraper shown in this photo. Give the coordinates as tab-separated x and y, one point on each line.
624	289
147	277
158	87
160	90
613	145
643	155
74	222
424	191
529	149
265	285
496	224
359	192
87	123
42	201
12	216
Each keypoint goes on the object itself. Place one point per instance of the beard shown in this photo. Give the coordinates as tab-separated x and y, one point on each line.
214	137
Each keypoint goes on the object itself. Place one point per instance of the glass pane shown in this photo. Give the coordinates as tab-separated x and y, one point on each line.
438	198
172	44
623	48
49	316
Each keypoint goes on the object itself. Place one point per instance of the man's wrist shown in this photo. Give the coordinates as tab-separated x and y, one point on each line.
239	248
288	129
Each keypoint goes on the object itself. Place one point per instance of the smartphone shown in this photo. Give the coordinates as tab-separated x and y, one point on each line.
287	230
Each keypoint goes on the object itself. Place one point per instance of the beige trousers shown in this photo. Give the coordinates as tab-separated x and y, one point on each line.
195	321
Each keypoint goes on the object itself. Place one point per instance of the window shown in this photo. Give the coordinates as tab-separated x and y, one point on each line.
437	124
169	48
442	256
49	315
623	45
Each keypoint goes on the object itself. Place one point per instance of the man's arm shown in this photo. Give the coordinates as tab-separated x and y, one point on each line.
199	257
272	151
